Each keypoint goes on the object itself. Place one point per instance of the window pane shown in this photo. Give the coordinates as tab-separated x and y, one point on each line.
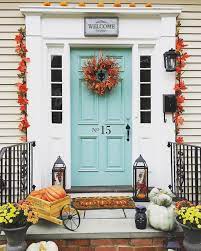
145	76
56	75
56	103
56	62
145	117
56	90
145	103
145	62
145	90
57	117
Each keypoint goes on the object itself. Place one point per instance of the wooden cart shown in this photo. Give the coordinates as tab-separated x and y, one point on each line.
59	212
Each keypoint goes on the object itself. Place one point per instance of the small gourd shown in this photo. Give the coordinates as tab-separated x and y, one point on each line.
43	246
161	212
161	197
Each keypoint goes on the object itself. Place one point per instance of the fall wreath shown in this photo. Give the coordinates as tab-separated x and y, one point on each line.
101	74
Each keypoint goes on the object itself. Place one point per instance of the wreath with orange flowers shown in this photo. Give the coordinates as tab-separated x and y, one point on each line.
101	74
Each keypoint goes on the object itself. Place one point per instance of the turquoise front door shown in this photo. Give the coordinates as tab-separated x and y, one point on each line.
100	145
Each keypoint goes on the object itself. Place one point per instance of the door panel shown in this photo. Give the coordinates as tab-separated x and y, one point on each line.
101	154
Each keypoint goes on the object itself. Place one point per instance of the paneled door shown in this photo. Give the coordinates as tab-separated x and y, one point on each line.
100	138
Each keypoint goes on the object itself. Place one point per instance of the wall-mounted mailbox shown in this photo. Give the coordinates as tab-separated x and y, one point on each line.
169	104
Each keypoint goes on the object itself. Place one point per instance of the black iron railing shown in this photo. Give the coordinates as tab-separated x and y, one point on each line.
16	172
186	171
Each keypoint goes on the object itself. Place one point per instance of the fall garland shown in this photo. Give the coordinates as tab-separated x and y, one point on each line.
101	74
180	87
21	85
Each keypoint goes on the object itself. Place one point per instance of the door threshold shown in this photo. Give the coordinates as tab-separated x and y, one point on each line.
100	189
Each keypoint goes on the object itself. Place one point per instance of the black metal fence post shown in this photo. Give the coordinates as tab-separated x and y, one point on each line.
196	177
16	172
186	171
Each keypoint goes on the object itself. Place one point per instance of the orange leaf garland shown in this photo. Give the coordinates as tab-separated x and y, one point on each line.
21	51
180	86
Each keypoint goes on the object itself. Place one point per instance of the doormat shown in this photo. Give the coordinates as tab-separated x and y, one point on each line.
110	202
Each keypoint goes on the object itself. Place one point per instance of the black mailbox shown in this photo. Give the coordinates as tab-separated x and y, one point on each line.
169	104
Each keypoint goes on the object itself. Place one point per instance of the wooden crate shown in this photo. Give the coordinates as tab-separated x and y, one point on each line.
49	210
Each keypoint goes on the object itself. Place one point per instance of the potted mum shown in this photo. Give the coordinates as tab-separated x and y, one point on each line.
189	218
14	221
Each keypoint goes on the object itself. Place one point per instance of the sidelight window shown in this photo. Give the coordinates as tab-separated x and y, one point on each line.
56	88
145	89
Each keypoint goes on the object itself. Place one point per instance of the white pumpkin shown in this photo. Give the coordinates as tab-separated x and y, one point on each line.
160	217
43	246
161	197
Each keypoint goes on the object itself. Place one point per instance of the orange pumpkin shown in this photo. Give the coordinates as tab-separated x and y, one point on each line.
141	196
64	3
51	193
132	5
148	5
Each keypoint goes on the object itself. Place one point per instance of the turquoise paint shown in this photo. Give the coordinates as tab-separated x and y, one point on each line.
100	159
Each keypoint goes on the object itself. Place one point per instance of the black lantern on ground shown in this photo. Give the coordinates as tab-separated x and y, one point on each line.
140	180
170	60
59	173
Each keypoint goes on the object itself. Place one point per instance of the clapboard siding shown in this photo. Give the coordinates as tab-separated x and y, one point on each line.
11	19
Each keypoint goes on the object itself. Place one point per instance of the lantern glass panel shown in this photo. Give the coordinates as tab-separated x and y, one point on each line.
170	60
59	177
141	191
59	173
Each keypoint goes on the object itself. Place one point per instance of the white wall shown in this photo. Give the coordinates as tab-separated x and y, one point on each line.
152	33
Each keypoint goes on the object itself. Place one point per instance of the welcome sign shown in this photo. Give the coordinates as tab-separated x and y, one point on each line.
101	26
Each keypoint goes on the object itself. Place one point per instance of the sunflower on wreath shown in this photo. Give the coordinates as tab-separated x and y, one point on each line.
101	74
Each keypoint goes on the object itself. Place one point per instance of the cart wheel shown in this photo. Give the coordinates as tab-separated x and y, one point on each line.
70	217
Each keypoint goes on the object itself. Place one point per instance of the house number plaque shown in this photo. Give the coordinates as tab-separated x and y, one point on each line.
104	129
101	26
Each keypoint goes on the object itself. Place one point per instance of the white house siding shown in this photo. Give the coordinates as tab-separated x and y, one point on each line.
11	19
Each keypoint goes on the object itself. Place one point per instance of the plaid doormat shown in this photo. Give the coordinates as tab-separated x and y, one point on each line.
111	202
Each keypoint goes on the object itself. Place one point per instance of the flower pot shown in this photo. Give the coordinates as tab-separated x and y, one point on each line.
16	238
192	238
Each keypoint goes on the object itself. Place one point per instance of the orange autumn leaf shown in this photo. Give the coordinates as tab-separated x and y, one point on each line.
180	140
23	108
180	86
180	44
180	99
179	120
184	56
22	87
23	139
24	124
180	108
19	38
22	100
27	60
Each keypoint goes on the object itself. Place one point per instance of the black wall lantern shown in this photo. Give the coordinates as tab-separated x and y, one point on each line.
59	173
140	180
170	60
